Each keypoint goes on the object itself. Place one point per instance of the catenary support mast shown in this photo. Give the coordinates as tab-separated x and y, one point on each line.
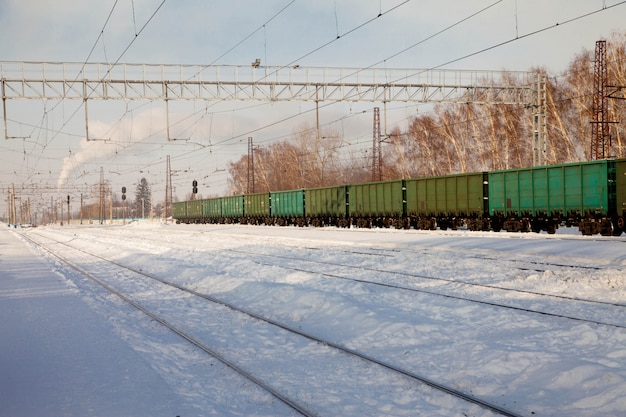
101	81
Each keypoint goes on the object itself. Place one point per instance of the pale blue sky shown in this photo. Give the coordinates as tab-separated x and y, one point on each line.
236	32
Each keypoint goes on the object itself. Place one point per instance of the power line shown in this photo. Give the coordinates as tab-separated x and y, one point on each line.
456	60
445	63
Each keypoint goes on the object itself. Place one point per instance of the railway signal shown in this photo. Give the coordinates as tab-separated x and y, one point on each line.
123	199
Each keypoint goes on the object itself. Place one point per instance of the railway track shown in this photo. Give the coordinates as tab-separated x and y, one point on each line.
131	283
600	312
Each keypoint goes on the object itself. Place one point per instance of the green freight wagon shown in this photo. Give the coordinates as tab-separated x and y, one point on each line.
448	201
179	211
620	197
194	211
232	209
212	209
257	208
287	207
327	206
542	198
379	204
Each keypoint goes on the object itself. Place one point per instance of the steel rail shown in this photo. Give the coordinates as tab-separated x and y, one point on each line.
195	342
427	381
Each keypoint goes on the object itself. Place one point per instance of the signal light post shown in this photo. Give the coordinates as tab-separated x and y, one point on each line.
124	204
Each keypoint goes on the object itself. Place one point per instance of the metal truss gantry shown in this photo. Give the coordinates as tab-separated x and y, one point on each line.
100	81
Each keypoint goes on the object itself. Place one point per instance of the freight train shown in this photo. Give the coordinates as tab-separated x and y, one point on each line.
589	195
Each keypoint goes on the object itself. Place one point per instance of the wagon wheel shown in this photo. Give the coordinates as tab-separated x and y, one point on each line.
606	227
618	226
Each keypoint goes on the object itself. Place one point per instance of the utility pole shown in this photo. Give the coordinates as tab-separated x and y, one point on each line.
168	190
102	195
600	138
13	206
376	148
250	187
540	126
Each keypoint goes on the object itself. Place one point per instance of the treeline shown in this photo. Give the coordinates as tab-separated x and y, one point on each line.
454	137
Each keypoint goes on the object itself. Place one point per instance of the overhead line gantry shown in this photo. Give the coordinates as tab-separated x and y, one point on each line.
101	81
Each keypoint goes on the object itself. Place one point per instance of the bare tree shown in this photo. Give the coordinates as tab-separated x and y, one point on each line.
455	138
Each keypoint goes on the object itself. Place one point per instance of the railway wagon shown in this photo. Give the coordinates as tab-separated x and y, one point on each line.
232	209
194	211
620	196
287	207
378	204
541	198
179	211
212	210
327	206
448	201
257	208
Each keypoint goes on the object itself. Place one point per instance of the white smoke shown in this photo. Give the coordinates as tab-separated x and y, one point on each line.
107	140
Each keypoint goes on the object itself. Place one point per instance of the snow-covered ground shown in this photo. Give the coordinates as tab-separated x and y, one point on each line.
535	324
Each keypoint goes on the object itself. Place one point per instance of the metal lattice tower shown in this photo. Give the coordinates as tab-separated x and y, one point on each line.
376	148
600	138
168	190
250	189
102	195
540	127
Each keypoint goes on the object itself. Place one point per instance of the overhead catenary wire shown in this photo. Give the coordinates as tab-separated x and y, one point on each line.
447	63
516	38
363	24
291	117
